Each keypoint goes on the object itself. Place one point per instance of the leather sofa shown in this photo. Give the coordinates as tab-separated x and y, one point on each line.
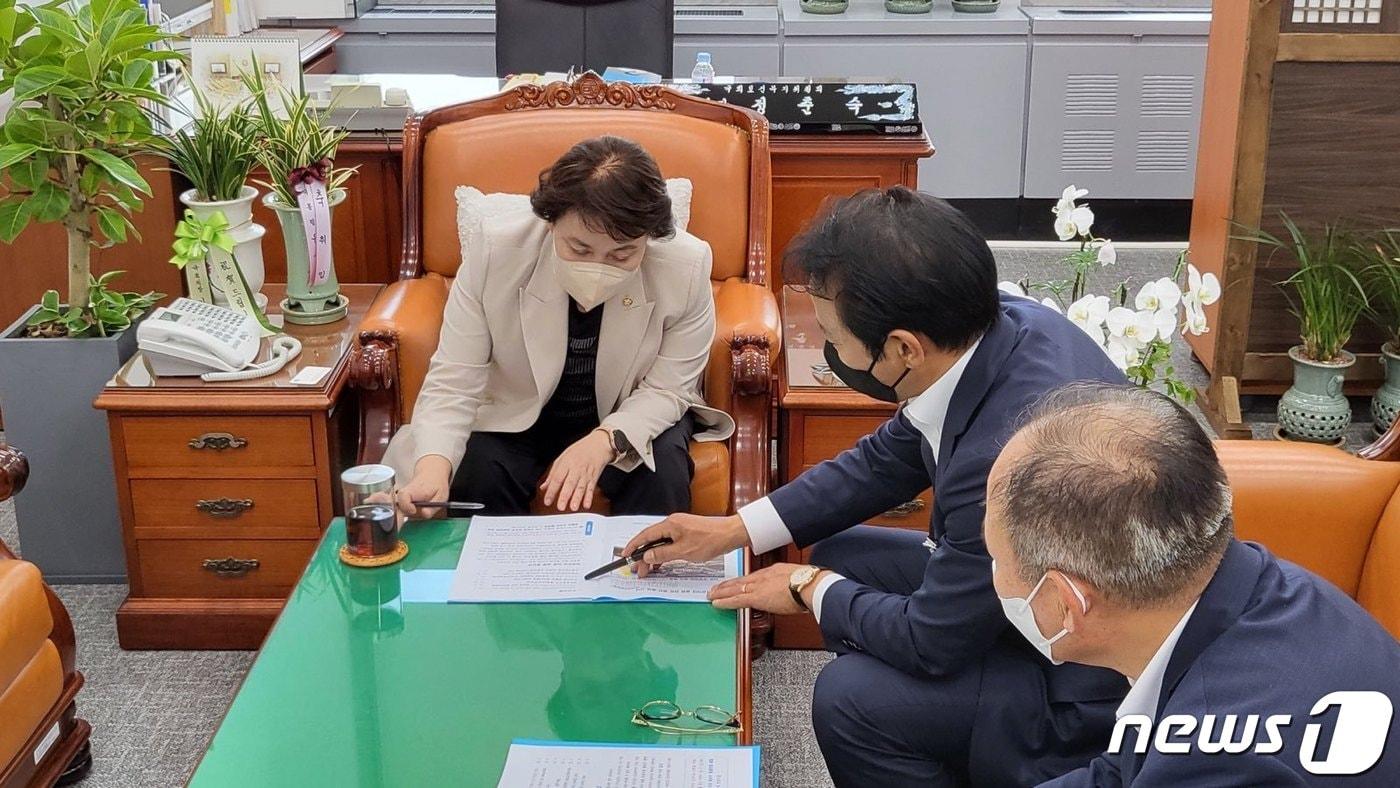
1335	513
500	144
42	742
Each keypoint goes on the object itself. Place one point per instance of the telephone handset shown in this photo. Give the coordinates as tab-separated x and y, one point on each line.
192	338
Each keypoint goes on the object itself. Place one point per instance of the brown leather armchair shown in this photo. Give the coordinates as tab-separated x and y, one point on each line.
500	144
41	740
1324	509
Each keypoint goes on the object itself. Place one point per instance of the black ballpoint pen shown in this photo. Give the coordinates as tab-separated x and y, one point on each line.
632	558
468	505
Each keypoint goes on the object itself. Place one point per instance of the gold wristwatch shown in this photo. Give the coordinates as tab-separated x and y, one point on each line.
800	578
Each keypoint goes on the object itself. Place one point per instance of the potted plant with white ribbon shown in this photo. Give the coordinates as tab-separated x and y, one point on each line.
215	151
1328	298
304	185
1137	338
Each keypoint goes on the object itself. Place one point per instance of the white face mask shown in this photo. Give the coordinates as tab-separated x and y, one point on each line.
590	284
1018	612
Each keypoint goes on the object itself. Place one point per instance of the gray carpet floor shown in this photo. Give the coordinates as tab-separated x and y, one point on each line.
153	712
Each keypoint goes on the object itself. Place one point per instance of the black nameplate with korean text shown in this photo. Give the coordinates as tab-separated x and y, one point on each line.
821	105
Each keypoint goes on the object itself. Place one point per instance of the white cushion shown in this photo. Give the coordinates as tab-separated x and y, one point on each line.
475	206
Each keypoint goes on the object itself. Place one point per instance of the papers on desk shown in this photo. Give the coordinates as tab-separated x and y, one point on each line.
538	764
544	559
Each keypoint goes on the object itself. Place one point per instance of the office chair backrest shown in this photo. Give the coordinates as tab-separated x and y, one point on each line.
535	36
502	144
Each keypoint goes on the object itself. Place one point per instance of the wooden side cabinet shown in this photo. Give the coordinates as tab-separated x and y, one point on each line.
817	422
225	488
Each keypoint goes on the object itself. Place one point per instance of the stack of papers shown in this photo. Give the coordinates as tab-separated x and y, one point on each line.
544	559
540	763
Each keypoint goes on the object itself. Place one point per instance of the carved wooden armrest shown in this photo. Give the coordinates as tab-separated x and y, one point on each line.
374	372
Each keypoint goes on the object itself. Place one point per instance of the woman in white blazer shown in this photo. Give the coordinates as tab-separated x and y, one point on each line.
572	350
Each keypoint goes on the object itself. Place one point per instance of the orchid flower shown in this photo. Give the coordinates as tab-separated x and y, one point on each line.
1159	295
1108	255
1139	326
1204	289
1072	220
1012	288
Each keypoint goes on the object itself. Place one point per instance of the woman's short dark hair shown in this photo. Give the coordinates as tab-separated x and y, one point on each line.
896	258
615	186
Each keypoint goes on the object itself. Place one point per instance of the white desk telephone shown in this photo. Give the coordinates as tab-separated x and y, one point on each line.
192	338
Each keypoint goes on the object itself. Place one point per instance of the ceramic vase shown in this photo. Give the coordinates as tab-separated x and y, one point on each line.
1386	403
976	6
247	239
909	6
1314	409
824	6
306	304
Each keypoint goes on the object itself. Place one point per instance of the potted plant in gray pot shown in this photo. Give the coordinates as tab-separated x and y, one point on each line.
82	83
1382	280
1327	297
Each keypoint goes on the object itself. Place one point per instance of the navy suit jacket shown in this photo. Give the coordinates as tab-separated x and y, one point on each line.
954	621
1266	638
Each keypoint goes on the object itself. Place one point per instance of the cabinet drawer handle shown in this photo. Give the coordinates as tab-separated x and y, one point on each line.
218	441
907	508
231	567
224	507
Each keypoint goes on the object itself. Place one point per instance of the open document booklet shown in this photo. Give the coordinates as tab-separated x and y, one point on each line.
544	559
544	763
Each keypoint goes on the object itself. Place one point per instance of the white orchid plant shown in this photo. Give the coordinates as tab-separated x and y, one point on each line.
1138	338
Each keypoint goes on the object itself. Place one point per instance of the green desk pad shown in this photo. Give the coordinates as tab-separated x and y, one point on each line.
359	685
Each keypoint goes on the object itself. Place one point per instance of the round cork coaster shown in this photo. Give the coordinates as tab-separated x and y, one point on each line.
392	557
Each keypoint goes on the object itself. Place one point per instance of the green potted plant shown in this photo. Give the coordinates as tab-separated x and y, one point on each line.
216	151
304	186
1382	280
1328	298
82	81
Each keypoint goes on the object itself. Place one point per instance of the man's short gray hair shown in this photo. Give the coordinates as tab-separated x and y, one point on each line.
1119	486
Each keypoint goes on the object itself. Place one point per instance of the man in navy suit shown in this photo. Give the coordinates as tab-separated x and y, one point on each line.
1109	522
930	686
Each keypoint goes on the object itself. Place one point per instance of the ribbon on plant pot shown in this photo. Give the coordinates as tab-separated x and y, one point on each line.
195	239
313	201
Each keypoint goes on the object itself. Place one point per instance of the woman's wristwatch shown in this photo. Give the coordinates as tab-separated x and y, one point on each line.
617	439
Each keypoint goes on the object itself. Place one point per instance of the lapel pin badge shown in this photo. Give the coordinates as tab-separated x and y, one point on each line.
627	300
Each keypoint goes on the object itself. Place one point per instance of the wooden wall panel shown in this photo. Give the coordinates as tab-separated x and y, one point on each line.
1334	153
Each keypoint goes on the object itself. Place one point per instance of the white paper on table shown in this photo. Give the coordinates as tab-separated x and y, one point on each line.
544	559
535	764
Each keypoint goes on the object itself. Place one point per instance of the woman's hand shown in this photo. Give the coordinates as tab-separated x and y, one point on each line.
432	481
575	473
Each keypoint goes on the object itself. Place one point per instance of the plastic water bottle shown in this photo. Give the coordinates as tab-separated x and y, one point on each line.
704	71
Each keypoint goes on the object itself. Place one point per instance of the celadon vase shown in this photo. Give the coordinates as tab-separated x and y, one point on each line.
824	6
1385	405
909	6
247	239
1314	408
306	304
976	6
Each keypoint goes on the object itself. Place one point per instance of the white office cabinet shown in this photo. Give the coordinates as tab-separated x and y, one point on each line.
414	40
1115	103
970	70
742	41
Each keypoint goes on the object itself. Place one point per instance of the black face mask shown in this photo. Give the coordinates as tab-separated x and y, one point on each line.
863	381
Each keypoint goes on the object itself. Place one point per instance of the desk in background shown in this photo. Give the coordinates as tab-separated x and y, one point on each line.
362	683
224	488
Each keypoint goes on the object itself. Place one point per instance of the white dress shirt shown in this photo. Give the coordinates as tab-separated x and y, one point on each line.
1145	692
926	412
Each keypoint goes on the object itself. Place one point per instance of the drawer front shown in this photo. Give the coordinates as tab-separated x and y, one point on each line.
221	508
217	441
225	568
824	437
